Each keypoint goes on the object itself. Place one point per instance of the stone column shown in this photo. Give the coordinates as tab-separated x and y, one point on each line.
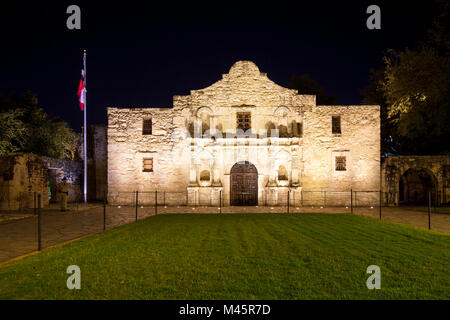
193	171
294	169
272	167
215	169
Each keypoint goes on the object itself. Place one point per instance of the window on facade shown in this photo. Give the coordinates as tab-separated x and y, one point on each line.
336	124
148	165
243	120
147	126
341	164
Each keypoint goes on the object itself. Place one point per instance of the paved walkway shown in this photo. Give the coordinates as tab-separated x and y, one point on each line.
19	237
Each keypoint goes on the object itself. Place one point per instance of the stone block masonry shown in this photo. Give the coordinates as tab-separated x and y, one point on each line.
23	174
292	145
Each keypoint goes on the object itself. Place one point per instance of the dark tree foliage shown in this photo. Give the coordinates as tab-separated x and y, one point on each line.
305	85
413	89
24	127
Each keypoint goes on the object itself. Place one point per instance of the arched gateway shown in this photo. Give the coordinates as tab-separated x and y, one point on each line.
414	186
244	184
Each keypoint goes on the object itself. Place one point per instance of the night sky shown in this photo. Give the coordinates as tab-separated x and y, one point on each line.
140	54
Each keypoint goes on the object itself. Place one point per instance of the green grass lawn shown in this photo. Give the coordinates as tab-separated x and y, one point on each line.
251	256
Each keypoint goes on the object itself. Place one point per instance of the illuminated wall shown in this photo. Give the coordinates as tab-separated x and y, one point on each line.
185	158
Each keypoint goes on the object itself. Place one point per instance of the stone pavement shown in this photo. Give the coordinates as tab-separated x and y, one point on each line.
19	237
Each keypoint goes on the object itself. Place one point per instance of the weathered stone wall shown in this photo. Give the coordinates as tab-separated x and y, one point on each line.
359	142
181	154
97	161
23	174
127	147
20	176
72	170
438	168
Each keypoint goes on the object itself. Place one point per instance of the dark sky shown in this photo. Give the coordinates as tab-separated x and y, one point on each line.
140	54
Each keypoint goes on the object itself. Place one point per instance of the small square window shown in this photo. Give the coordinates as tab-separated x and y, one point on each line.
147	126
148	165
243	120
341	164
336	124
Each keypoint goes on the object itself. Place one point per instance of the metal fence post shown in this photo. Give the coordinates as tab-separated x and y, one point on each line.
220	201
156	203
301	197
288	197
294	200
35	212
351	200
104	211
137	204
429	210
39	222
381	202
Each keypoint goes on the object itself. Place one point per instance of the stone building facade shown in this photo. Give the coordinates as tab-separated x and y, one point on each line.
245	138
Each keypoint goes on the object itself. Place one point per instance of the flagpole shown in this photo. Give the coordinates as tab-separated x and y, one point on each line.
85	131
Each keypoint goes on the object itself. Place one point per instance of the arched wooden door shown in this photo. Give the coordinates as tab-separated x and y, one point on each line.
244	184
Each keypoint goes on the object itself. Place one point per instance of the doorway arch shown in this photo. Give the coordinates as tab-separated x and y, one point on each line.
414	186
244	184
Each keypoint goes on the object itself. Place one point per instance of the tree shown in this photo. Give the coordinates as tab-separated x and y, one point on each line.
416	88
412	88
26	128
374	96
305	85
13	132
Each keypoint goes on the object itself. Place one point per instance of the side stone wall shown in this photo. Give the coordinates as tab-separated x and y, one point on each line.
57	170
437	167
22	174
97	154
359	142
127	147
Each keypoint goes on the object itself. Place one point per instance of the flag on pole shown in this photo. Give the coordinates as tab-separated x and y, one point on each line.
81	92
